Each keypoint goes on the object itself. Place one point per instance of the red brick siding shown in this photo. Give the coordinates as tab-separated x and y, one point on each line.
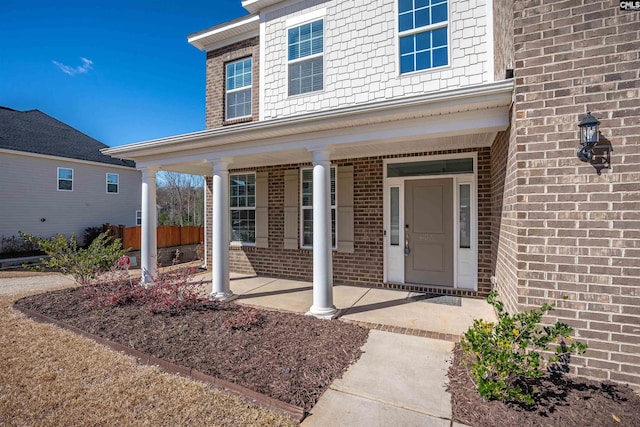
365	265
215	91
578	224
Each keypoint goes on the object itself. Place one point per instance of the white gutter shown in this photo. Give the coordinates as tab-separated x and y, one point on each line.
498	92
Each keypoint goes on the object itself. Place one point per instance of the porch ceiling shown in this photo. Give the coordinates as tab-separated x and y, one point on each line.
461	118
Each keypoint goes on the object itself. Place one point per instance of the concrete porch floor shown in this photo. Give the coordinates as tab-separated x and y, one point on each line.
384	309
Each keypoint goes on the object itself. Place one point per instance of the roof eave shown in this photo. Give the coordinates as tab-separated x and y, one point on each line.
226	33
254	6
498	93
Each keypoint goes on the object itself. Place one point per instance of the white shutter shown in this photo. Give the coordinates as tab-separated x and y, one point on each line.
262	209
345	209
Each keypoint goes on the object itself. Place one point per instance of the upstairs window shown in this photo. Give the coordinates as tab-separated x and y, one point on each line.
242	193
65	179
424	34
238	89
113	183
305	54
306	192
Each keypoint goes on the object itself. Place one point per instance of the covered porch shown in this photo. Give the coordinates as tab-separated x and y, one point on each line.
460	120
440	317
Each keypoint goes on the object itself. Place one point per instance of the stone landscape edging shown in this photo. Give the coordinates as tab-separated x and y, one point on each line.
293	412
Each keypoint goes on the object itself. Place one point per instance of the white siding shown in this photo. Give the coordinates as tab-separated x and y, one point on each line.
28	193
361	55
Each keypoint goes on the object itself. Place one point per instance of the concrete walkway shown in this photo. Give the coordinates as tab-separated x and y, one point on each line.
399	380
402	375
15	283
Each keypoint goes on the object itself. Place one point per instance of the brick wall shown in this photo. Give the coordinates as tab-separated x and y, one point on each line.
577	235
215	90
502	37
365	265
504	224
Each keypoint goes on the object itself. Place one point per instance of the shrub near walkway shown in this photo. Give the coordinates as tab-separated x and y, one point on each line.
50	377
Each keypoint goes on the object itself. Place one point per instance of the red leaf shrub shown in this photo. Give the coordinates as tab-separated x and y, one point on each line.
114	288
172	291
245	318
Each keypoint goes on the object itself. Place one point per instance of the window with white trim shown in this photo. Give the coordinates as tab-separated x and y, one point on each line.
306	206
238	89
305	49
242	206
113	183
138	217
424	34
65	179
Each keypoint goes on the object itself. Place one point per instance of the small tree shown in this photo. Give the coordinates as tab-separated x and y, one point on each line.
66	255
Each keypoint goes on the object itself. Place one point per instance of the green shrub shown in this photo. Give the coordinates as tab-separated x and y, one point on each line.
506	354
84	264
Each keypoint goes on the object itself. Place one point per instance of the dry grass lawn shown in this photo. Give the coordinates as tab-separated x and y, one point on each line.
51	377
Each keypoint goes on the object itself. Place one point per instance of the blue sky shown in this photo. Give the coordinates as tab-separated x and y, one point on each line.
119	71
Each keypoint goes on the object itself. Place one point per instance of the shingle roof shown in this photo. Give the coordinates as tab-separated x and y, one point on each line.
35	132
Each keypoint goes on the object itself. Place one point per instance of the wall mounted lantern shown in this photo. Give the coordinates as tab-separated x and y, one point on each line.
589	134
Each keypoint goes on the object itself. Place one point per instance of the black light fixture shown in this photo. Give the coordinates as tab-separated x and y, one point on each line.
589	134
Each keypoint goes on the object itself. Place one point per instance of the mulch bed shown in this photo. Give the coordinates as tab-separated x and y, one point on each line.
564	402
289	357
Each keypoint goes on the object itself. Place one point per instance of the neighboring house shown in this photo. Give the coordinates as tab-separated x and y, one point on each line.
384	143
56	180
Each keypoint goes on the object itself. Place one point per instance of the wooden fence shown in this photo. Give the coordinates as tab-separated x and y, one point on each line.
167	236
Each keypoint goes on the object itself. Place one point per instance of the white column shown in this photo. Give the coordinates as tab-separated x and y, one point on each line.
322	249
220	289
149	246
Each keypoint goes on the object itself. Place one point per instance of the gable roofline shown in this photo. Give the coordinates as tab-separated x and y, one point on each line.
33	131
65	159
226	33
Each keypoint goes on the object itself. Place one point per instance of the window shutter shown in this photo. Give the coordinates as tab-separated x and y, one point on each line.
345	209
291	209
262	209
